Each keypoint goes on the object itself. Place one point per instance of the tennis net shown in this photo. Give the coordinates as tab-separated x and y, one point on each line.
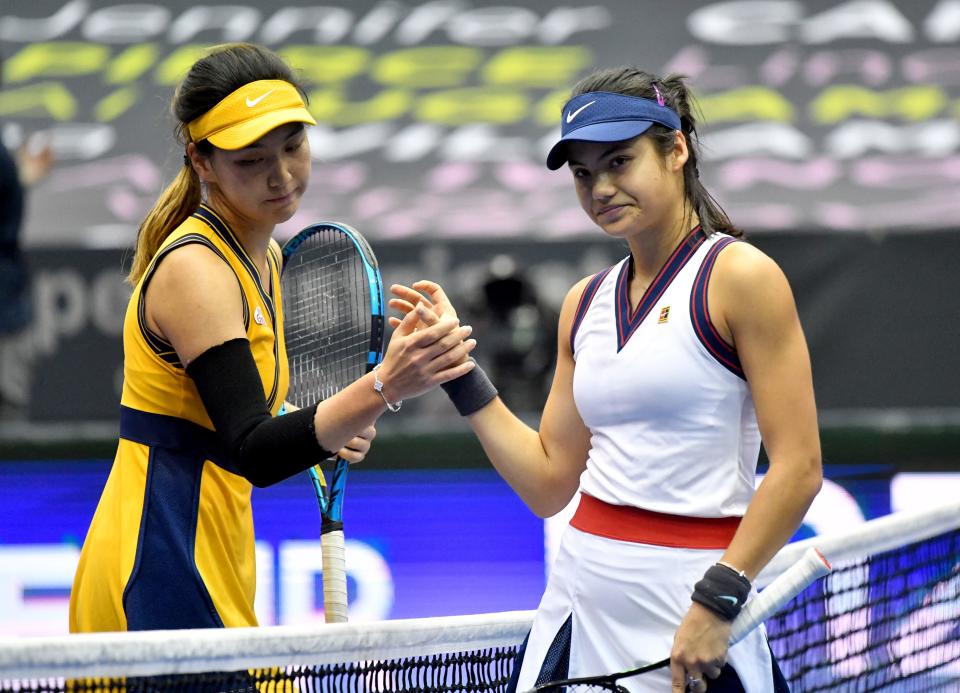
886	619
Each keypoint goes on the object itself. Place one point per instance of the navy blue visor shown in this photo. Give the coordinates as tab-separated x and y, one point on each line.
600	116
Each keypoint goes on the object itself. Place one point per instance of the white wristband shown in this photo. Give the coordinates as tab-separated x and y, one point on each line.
378	386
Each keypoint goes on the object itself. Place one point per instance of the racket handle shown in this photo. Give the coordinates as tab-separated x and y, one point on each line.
334	577
789	584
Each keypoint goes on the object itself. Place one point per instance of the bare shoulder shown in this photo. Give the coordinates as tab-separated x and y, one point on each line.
193	269
749	289
194	300
742	270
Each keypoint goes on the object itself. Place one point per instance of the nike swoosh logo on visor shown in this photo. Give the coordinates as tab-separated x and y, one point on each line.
253	102
571	116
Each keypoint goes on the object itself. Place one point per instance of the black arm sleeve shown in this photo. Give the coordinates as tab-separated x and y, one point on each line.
264	448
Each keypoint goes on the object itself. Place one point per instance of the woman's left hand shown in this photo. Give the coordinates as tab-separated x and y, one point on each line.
699	650
357	449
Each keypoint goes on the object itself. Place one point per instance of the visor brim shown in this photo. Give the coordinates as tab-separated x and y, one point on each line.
598	132
242	134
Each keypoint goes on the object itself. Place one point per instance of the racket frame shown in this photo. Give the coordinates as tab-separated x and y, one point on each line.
330	496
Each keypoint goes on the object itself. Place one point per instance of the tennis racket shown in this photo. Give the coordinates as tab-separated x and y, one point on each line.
790	583
333	325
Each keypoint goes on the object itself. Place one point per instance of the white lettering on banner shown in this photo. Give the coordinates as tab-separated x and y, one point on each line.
35	581
859	19
126	23
238	22
943	24
763	23
745	23
265	602
493	26
83	141
377	23
490	26
919	490
65	303
301	565
30	30
329	24
933	138
776	139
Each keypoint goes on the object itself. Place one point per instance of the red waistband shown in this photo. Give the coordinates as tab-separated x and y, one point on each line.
627	523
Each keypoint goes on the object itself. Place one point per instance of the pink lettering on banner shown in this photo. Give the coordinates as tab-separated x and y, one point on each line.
453	176
903	172
940	65
804	175
824	67
130	168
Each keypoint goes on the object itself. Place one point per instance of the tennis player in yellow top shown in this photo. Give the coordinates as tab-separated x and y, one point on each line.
171	544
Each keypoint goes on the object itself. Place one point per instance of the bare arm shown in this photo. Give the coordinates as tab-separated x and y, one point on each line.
757	307
752	307
543	466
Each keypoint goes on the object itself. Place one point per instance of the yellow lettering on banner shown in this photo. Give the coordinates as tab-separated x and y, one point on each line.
132	63
41	100
536	66
914	103
55	59
326	64
175	66
473	105
329	106
114	105
431	66
548	110
746	103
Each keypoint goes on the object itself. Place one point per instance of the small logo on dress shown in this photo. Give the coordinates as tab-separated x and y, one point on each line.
258	316
664	315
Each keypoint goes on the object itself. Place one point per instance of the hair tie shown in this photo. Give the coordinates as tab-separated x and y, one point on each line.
659	95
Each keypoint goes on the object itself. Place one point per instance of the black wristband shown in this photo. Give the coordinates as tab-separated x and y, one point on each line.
722	590
470	392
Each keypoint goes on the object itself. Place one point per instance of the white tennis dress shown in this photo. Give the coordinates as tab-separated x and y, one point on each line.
674	431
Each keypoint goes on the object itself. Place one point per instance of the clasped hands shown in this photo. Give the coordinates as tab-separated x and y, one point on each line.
428	346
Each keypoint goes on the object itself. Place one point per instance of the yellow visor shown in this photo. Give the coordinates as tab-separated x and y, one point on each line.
249	113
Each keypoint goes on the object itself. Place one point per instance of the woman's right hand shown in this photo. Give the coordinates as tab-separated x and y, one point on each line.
423	291
425	350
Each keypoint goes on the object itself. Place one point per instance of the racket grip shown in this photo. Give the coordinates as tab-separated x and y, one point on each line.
334	577
789	584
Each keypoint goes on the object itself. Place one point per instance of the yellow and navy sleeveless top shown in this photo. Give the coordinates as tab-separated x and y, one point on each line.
171	543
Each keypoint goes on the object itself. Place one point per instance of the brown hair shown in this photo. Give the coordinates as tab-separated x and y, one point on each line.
212	78
632	81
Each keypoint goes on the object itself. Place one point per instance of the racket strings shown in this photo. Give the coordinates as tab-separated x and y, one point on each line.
327	321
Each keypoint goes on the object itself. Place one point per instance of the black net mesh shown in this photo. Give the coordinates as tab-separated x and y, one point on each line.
480	671
890	622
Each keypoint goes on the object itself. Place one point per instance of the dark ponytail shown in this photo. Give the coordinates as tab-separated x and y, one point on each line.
673	91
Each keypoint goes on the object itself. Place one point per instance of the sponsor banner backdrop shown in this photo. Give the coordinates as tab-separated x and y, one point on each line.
473	548
434	116
877	312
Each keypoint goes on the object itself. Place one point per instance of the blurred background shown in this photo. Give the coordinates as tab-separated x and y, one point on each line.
832	137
